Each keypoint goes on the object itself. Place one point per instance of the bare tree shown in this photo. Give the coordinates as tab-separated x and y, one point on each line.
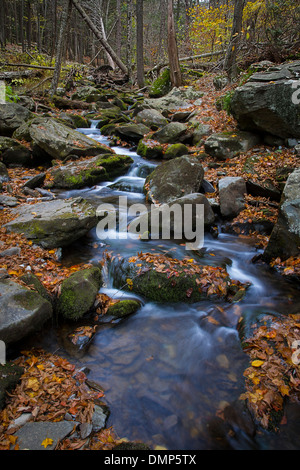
231	55
140	43
175	72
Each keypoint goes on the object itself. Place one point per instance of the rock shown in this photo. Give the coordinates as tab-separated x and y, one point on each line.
220	82
231	193
132	132
199	132
12	116
78	293
162	85
59	141
56	223
23	311
171	133
32	281
33	433
285	238
10	375
174	178
151	118
266	189
129	184
14	251
266	104
99	418
77	175
176	98
9	201
13	153
297	150
4	176
176	150
228	145
106	116
35	181
87	93
123	308
150	149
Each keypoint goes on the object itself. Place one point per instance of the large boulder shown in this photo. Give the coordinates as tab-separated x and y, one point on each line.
56	223
12	116
285	237
151	118
268	102
230	144
78	293
132	132
89	172
171	133
150	149
174	178
177	98
13	153
23	311
57	140
232	192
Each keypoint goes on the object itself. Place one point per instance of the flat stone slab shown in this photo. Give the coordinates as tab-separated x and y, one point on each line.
33	434
56	223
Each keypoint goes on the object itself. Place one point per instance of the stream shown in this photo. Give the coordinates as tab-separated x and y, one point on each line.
167	370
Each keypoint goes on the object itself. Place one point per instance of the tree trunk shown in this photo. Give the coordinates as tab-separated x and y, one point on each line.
230	64
99	35
140	43
109	58
129	38
60	45
175	72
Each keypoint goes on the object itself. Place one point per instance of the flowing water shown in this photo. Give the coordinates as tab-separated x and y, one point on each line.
167	371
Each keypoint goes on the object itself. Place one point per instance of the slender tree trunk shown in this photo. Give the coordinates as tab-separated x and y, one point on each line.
140	43
99	35
119	29
230	64
129	38
60	45
109	58
175	72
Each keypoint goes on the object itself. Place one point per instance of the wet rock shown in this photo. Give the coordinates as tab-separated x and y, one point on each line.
123	308
32	281
32	434
56	223
285	237
87	93
228	145
265	102
4	176
174	178
12	116
23	311
78	293
232	192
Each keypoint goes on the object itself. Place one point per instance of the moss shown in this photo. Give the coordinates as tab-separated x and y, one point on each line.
176	150
162	85
124	308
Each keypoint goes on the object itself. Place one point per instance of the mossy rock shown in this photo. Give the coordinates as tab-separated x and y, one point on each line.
90	172
176	150
124	308
150	149
78	293
162	85
32	281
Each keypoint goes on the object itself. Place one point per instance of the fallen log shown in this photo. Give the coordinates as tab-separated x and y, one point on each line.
17	74
65	103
